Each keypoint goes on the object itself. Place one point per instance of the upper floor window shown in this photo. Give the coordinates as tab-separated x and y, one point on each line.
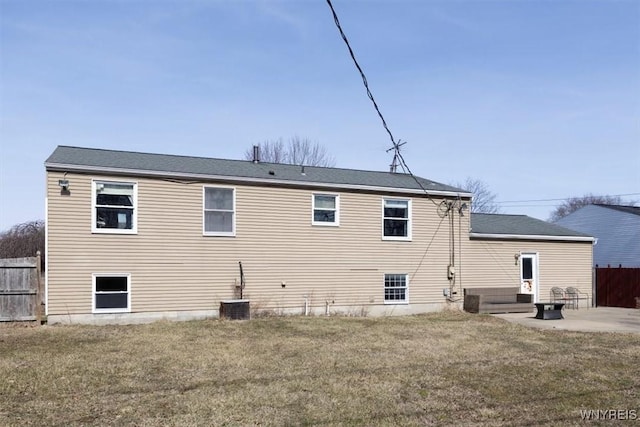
396	218
326	209
219	211
114	207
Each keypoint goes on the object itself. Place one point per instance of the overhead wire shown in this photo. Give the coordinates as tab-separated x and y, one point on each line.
449	206
562	199
364	78
424	255
396	145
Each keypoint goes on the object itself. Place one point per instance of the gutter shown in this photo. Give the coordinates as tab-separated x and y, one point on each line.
162	174
488	236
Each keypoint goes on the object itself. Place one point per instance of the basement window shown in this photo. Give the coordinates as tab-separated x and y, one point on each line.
111	293
114	207
396	289
326	209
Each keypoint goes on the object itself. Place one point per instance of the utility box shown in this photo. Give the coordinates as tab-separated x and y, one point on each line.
236	309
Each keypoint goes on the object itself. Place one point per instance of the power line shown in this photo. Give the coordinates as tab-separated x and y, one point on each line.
529	206
396	145
563	199
398	157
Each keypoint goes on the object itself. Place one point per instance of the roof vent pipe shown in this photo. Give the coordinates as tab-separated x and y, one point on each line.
256	154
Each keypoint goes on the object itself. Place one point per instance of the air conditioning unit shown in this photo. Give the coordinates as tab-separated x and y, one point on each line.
237	309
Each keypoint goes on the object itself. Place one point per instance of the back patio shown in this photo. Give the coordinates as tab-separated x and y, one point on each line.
599	319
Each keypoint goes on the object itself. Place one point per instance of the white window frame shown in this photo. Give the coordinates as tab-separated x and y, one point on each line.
405	301
94	207
231	233
408	237
335	223
110	310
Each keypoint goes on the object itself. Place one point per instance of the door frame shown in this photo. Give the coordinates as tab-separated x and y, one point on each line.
535	257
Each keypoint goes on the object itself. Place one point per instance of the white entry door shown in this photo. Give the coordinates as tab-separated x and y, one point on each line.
529	274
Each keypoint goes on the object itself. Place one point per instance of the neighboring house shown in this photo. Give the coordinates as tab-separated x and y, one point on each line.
616	228
137	237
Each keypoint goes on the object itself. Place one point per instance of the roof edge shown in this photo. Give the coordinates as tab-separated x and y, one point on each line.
49	166
490	236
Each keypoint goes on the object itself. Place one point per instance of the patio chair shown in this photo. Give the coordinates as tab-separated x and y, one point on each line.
574	295
557	295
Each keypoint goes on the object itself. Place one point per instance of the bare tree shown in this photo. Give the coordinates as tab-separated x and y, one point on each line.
23	240
483	198
296	151
572	204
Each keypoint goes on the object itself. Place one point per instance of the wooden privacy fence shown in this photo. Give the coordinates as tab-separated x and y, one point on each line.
617	287
20	289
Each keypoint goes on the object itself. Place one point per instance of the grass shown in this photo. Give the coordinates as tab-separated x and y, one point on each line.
439	369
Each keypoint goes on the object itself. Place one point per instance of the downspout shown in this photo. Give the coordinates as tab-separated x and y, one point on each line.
460	252
452	251
46	257
455	270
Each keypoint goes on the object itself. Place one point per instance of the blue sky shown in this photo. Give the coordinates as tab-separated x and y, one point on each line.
538	99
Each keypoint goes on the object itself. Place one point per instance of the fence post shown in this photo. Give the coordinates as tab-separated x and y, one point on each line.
38	288
594	286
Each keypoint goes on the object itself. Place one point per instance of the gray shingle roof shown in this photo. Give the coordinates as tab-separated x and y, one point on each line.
518	225
617	231
77	158
635	210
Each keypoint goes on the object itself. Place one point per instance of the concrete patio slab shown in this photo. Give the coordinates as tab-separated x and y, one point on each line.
599	319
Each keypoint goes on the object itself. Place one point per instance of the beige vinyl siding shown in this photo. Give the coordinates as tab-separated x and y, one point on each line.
492	263
174	267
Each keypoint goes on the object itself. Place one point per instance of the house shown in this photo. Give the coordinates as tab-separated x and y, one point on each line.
616	228
135	237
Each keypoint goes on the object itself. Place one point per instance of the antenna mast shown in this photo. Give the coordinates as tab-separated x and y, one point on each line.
393	167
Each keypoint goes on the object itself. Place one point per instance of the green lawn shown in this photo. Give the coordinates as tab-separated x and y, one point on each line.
441	369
